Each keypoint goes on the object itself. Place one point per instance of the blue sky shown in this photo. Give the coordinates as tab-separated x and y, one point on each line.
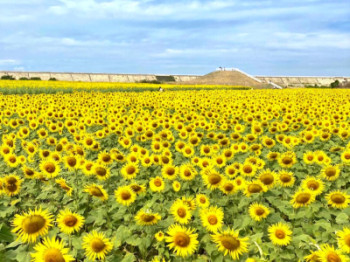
261	37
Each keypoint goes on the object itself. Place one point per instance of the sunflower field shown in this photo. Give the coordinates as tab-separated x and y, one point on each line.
205	175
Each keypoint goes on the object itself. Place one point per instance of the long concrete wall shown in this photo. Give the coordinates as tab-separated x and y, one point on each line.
300	81
95	77
284	81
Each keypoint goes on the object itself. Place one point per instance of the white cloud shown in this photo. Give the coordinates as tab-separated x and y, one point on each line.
6	62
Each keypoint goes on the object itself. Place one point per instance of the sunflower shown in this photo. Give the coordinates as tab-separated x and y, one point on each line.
286	179
213	180
338	199
202	200
330	172
96	245
169	172
254	187
287	159
86	167
313	257
29	226
187	172
212	218
345	157
63	184
137	188
329	254
228	187
181	212
11	160
157	184
344	239
130	170
101	171
302	198
176	186
69	222
51	250
147	218
273	156
12	185
49	168
230	243
182	240
280	234
313	184
248	169
258	211
125	195
71	162
159	236
105	158
267	177
96	191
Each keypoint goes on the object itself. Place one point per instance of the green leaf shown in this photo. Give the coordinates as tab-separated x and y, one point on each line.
342	218
5	233
129	258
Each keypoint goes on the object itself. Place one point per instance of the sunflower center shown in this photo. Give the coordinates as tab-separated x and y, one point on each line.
338	198
287	160
202	200
285	178
11	187
70	220
187	173
100	171
228	187
148	218
130	170
259	211
71	161
106	158
267	179
135	188
181	212
53	255
157	182
310	158
303	198
248	169
214	179
333	257
95	191
170	171
254	188
33	224
125	195
313	185
330	171
212	219
97	245
280	234
181	239
89	141
50	167
12	180
230	242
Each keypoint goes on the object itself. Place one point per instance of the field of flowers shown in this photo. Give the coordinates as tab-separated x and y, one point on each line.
219	175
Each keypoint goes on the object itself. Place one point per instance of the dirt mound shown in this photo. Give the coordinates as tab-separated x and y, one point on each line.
225	78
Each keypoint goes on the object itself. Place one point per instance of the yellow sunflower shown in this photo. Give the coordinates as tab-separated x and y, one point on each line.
101	171
96	191
169	172
63	184
287	159
125	195
338	199
302	198
230	243
181	212
69	222
96	245
147	218
12	185
212	218
157	184
49	168
187	172
130	170
286	179
313	184
137	188
51	250
329	254
280	234
182	240
344	239
202	200
159	236
254	187
176	186
258	211
213	180
330	172
31	225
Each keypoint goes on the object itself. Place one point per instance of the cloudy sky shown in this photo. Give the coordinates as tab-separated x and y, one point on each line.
261	37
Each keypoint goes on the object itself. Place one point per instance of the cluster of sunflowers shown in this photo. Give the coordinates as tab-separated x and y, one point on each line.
259	175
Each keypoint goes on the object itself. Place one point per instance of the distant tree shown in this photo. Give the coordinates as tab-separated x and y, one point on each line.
335	84
7	77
